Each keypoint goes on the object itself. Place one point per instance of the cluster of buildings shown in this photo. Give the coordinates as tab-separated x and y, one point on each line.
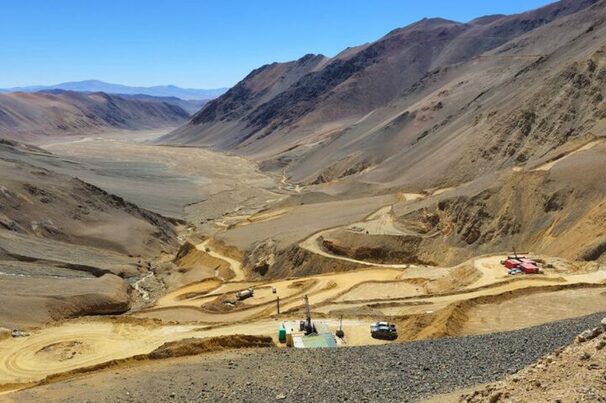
520	264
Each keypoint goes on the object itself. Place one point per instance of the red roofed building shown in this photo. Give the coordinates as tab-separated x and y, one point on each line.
512	263
529	268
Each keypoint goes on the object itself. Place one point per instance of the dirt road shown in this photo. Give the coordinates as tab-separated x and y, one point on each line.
312	244
548	165
85	342
380	222
234	265
207	308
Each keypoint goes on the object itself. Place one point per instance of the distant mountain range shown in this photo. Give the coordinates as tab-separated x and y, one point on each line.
109	88
27	116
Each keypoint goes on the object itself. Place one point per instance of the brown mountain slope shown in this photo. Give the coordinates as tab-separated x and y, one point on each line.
551	378
511	105
40	203
521	122
434	89
557	212
24	116
64	244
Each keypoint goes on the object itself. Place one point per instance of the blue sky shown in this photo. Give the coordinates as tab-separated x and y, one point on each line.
200	44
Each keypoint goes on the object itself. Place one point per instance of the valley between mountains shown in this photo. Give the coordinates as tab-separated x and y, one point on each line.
388	182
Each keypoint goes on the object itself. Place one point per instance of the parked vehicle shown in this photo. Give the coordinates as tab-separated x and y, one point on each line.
245	294
383	331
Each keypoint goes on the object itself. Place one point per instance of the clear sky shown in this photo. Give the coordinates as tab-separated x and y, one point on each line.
197	43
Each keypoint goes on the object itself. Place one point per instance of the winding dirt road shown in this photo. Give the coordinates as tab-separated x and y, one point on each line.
87	342
312	244
234	265
380	222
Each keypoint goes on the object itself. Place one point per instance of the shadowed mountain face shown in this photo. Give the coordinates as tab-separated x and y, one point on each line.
428	99
27	115
190	106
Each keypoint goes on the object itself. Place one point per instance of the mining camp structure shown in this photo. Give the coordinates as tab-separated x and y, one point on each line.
521	264
305	333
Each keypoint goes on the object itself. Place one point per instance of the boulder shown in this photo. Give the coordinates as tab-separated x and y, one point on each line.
590	334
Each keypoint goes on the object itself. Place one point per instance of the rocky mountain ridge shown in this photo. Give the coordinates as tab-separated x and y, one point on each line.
24	116
423	96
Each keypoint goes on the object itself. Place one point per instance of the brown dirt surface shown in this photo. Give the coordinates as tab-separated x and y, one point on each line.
41	202
303	220
5	333
198	185
33	301
193	346
396	372
525	310
195	264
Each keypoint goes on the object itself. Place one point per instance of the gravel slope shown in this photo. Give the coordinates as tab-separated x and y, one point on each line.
397	372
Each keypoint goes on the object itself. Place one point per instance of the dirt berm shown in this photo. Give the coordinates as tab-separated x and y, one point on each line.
195	346
180	348
48	299
293	261
377	248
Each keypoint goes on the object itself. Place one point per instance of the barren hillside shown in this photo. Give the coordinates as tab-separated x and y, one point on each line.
65	244
26	116
497	124
551	378
410	107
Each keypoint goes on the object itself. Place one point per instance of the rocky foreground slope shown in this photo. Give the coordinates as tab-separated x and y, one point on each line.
391	373
574	373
